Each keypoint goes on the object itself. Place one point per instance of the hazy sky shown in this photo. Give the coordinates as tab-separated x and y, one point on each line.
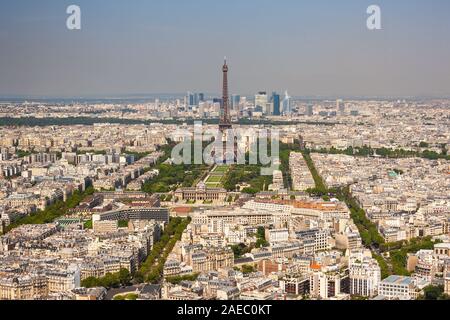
319	47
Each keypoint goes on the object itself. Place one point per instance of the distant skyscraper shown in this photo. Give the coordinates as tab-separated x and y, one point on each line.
217	100
340	107
261	101
195	99
276	104
201	107
235	100
191	99
242	104
309	110
287	108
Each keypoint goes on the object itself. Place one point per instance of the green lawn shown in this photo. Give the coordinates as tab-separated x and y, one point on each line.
213	184
214	179
222	169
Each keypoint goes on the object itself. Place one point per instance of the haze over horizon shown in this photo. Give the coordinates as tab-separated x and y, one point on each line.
319	48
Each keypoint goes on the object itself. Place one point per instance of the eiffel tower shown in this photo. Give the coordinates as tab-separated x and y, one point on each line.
225	126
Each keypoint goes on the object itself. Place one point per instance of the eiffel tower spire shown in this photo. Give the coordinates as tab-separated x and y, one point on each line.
225	126
225	119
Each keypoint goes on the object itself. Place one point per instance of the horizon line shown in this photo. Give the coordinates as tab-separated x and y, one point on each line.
141	96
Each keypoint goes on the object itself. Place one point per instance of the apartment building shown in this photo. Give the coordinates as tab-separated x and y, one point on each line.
277	235
365	276
399	288
326	285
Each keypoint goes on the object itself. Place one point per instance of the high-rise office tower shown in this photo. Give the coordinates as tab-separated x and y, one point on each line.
340	107
287	109
235	100
276	104
261	101
195	99
242	105
190	99
201	109
218	100
269	108
309	110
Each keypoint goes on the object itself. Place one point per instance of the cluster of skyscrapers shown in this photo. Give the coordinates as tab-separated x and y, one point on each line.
265	104
273	105
194	99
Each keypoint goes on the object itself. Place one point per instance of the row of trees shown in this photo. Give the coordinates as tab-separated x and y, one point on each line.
23	153
52	121
285	153
366	151
367	229
320	189
110	280
178	279
386	271
413	245
152	268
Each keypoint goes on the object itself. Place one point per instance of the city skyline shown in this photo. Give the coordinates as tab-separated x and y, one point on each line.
311	50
